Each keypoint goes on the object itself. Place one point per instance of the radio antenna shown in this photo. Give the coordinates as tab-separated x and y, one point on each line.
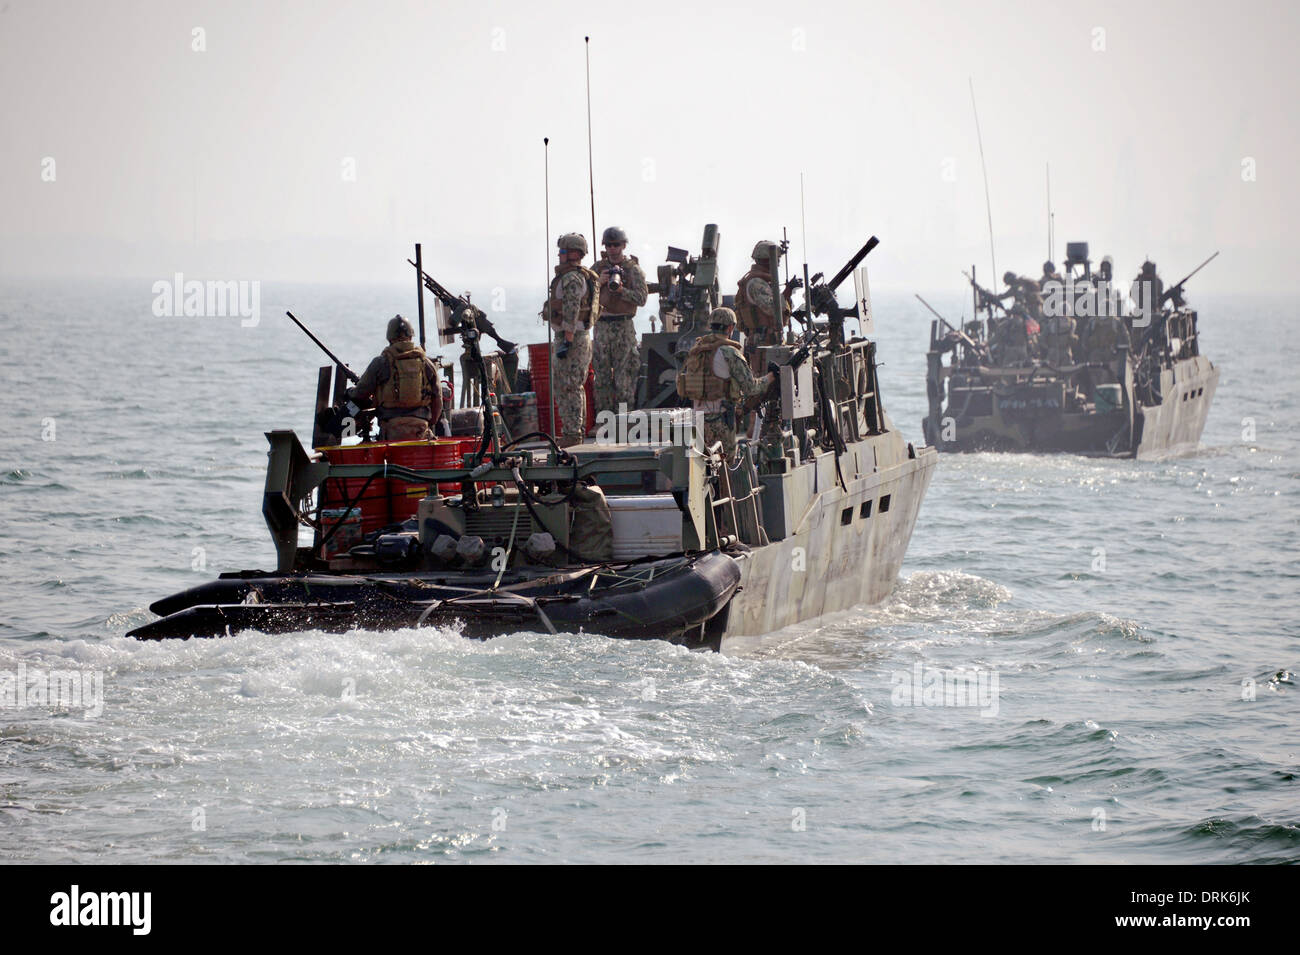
1051	218
591	175
987	203
546	309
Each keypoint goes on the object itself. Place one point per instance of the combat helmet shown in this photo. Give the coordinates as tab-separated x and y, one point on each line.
572	242
613	234
399	328
722	318
1009	278
1049	267
762	249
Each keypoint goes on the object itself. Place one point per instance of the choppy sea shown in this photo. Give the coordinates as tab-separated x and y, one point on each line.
1142	620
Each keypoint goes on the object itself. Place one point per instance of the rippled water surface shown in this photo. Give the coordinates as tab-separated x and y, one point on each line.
1130	610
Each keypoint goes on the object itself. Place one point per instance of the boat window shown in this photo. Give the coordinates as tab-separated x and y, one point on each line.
884	504
846	516
865	509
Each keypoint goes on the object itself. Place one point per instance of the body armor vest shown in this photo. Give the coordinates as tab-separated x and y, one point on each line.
590	310
696	380
748	315
610	303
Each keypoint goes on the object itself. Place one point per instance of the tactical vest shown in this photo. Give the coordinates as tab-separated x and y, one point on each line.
1012	332
407	386
1030	297
1102	337
590	309
610	303
748	315
1058	326
696	380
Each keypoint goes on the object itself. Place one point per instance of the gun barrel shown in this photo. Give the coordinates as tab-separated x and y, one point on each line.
845	272
352	375
1170	291
439	292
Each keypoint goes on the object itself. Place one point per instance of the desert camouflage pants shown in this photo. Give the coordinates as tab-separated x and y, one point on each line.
759	338
1058	349
721	427
570	396
616	358
404	429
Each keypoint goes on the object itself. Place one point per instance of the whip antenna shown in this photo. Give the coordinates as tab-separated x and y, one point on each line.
1051	218
987	204
591	176
546	308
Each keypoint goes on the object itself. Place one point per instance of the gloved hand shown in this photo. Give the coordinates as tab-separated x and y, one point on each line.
774	368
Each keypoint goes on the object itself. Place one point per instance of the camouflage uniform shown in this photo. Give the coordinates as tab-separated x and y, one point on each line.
757	289
377	386
735	381
1059	340
571	370
1147	291
616	354
1010	341
1105	333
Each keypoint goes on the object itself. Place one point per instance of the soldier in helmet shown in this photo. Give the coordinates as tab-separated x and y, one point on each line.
1104	334
755	309
573	306
616	357
1148	290
1049	274
403	385
716	377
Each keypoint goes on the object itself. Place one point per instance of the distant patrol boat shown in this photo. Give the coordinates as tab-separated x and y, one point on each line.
1147	395
493	533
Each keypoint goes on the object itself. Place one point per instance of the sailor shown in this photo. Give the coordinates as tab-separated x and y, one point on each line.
1148	290
1059	340
403	384
1104	334
716	377
616	356
754	305
1010	342
574	304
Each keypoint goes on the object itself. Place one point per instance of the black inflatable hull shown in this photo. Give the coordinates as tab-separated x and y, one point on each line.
680	599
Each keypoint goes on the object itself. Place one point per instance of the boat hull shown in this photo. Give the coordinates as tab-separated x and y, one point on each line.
1170	425
671	599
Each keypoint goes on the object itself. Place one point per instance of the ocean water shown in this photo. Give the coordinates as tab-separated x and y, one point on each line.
1141	619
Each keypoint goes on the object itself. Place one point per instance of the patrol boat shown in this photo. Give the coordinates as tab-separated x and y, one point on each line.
640	533
1145	392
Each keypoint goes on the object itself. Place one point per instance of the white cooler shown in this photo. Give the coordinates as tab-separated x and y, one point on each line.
645	525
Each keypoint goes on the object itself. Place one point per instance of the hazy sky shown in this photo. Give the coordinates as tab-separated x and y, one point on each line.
1171	131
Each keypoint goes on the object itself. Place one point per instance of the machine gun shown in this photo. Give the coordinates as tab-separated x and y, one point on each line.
1175	292
985	298
820	296
333	421
690	290
466	320
459	306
